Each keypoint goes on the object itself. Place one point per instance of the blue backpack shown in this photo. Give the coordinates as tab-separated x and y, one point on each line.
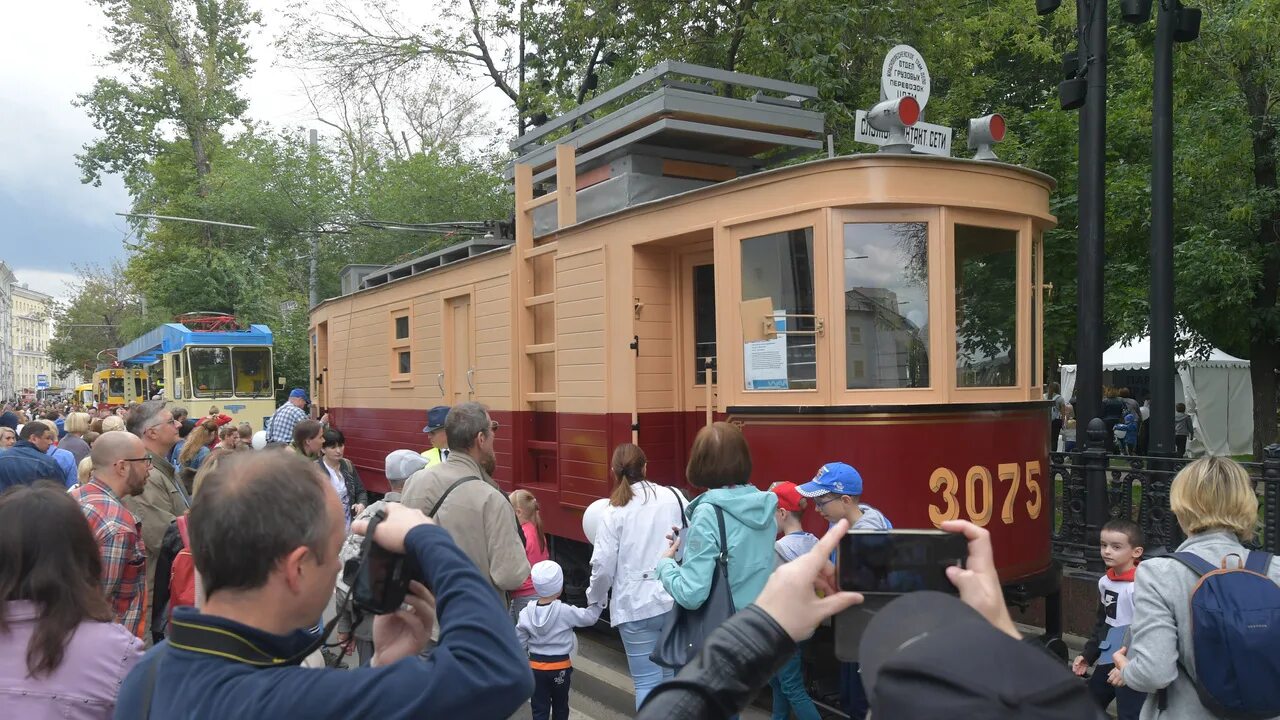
1235	636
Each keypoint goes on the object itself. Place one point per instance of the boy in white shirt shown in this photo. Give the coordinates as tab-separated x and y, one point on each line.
1122	542
545	630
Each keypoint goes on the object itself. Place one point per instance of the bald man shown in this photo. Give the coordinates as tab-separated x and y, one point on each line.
120	466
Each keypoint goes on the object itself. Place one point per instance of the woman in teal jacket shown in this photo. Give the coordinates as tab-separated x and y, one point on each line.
721	462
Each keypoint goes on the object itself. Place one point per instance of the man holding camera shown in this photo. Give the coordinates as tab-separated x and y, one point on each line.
265	532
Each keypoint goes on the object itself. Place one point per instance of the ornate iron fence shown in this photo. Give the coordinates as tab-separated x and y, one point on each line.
1091	487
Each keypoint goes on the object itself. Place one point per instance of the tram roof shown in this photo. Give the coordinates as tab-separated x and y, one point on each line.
172	337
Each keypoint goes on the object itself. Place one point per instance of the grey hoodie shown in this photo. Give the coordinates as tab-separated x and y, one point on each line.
548	629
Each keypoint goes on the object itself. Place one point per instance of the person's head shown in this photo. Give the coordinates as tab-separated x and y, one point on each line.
155	424
122	412
121	463
180	414
400	465
529	511
209	465
8	438
1181	407
229	436
38	434
548	579
719	457
84	470
335	444
1054	388
791	504
202	435
90	436
1125	393
48	556
298	397
627	467
308	437
214	411
1122	544
269	526
246	432
836	491
1214	493
434	428
77	423
52	416
470	430
185	427
111	423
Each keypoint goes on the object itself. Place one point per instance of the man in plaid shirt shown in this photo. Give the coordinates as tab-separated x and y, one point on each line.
280	427
120	467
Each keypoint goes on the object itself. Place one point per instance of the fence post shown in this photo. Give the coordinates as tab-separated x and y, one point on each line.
1271	498
1096	512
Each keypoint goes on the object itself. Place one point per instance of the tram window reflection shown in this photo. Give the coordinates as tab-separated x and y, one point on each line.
253	372
780	266
210	371
986	281
886	305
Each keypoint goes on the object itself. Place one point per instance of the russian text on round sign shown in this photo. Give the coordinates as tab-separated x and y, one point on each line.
905	73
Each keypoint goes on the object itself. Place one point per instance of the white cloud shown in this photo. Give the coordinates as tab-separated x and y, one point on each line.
49	282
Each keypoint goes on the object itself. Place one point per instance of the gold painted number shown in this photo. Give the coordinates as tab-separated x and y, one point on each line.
1033	484
946	481
977	474
1009	471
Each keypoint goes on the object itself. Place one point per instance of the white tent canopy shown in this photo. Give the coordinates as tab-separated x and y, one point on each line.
1217	391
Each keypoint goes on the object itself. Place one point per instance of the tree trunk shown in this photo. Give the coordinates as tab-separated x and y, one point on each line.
1263	362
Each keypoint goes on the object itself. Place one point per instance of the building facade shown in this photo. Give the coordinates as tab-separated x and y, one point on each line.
7	391
30	331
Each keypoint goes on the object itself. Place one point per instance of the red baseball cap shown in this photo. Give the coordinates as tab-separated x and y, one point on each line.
788	497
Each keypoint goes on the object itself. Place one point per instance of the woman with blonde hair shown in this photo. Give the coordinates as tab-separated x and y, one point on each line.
529	514
628	544
76	425
1214	501
111	423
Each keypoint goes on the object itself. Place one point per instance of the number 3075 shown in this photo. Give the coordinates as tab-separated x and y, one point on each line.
980	493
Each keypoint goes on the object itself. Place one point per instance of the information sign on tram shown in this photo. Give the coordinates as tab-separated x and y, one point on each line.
905	73
924	137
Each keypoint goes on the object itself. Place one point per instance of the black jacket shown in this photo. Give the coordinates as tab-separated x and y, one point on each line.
734	664
356	494
160	591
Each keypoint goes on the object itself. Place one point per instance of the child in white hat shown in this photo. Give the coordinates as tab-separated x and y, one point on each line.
545	630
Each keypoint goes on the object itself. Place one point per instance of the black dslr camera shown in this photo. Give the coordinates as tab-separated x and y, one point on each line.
379	579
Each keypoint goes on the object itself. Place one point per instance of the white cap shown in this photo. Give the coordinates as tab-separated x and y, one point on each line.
548	578
403	463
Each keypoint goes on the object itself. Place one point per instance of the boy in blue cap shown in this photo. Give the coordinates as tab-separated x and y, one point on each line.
837	493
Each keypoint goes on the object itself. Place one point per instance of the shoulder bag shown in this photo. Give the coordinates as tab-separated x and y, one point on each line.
685	631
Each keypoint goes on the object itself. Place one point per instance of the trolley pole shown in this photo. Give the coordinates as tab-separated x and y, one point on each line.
1162	328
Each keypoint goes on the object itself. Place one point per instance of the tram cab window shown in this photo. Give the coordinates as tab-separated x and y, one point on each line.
986	297
253	372
780	266
886	305
210	371
116	387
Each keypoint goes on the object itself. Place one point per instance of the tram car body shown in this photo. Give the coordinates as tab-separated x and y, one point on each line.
880	310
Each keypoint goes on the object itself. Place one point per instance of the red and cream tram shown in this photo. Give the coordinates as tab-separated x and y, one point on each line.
882	310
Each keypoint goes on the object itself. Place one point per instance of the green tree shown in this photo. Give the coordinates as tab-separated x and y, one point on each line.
103	312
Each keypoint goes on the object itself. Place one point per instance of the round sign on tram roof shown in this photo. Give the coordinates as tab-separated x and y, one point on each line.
905	73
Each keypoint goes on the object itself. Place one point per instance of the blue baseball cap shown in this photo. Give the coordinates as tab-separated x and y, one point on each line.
435	418
298	393
836	477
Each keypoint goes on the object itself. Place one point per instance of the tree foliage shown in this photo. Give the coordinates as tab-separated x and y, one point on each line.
103	312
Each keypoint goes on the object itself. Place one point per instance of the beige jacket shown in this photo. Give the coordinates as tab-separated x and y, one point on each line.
477	515
157	506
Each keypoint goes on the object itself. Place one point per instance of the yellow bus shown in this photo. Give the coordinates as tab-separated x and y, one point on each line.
119	384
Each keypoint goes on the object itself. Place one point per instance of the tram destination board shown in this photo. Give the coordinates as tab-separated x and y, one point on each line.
924	137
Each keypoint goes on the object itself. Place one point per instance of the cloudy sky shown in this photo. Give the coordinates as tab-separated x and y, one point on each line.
49	52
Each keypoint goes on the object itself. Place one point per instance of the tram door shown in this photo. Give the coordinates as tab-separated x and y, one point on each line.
459	372
698	345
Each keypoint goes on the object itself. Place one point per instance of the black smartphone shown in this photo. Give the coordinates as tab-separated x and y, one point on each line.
892	562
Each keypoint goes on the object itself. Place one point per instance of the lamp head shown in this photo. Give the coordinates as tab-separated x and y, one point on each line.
1072	93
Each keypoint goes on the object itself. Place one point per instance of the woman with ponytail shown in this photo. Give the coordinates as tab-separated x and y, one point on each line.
535	546
630	540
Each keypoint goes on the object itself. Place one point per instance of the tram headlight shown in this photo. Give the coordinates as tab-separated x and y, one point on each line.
985	132
894	117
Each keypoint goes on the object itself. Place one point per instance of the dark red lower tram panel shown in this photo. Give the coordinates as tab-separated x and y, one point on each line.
918	465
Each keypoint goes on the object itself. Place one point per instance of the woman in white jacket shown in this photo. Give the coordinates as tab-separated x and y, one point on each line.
630	540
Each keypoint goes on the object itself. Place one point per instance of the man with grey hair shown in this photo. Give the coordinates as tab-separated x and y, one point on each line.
461	495
163	498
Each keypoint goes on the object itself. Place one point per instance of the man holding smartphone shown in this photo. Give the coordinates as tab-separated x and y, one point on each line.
837	493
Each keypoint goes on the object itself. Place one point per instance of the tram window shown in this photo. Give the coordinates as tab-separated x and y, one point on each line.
986	279
138	390
210	371
704	322
402	327
116	387
886	305
780	266
253	372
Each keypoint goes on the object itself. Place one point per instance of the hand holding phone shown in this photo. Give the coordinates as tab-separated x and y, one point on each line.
673	540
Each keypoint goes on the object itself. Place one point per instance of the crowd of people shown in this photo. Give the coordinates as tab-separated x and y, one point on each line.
186	574
1123	417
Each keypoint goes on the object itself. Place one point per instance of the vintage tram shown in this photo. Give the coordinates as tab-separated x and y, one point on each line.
881	309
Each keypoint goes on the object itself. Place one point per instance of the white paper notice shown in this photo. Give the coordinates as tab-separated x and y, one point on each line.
766	361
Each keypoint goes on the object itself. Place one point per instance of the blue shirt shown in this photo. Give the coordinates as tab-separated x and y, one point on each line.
23	464
66	463
478	669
